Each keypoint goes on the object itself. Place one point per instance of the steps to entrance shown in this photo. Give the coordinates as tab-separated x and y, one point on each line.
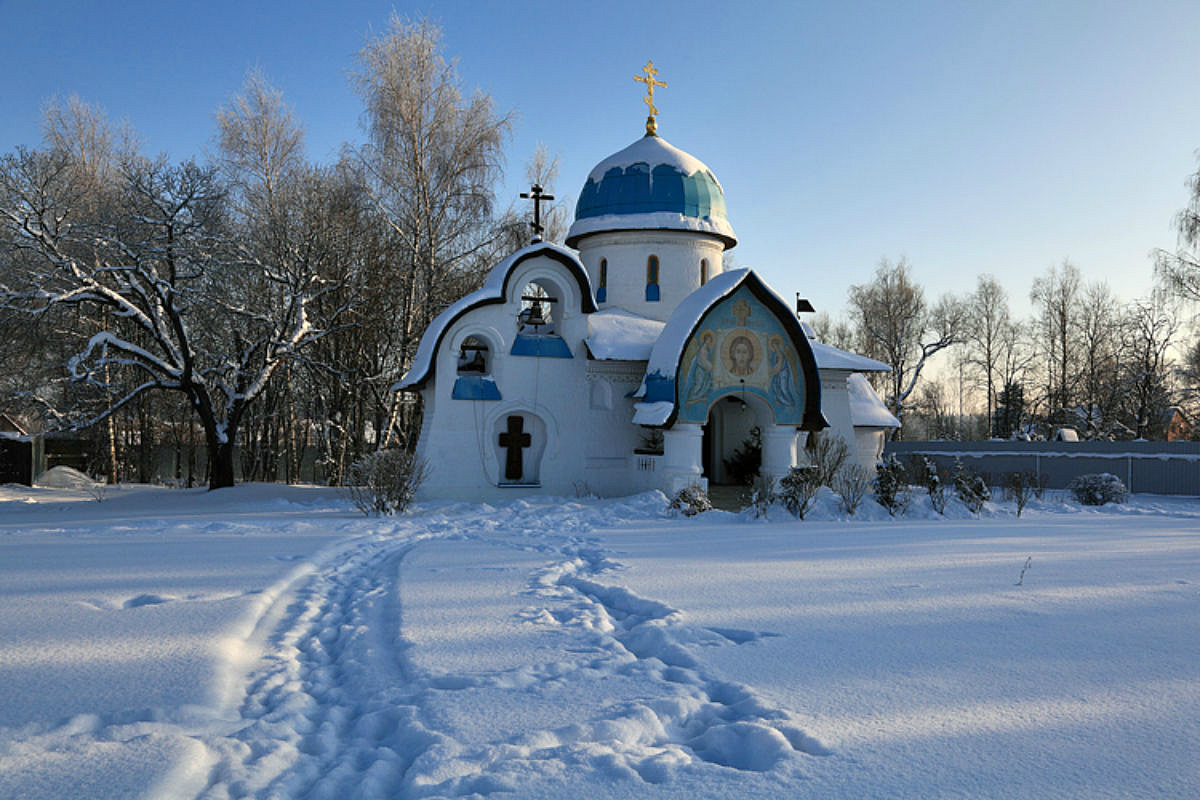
729	498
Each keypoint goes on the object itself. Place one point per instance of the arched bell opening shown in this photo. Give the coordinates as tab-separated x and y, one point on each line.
542	304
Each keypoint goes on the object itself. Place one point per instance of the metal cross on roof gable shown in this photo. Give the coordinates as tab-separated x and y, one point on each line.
538	197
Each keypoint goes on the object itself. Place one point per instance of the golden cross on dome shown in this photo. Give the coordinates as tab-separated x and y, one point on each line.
651	81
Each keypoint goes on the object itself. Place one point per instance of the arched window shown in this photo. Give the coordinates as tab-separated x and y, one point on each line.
703	271
602	289
652	293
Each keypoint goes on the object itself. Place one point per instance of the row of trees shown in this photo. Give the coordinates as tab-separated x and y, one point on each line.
255	303
260	306
1108	369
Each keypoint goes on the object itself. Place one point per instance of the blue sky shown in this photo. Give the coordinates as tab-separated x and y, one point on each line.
970	137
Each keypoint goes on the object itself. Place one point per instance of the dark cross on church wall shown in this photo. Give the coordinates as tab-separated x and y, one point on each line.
514	441
538	197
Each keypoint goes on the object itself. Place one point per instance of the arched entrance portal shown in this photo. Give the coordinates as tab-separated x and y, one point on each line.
733	439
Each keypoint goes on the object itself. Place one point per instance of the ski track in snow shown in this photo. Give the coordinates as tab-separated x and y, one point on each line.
335	706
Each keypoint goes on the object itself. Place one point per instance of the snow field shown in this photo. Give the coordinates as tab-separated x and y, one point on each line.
269	642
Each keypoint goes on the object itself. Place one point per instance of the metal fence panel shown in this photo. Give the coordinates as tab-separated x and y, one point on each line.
1153	467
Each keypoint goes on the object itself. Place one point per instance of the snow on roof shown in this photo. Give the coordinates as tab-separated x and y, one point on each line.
492	290
830	357
655	220
669	347
615	334
664	358
651	150
652	413
866	409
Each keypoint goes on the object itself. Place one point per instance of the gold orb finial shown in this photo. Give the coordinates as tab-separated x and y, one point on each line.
651	81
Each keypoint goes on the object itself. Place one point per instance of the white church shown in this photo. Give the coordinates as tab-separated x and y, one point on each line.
630	360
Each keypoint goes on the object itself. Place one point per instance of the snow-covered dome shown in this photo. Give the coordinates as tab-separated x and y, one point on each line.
651	185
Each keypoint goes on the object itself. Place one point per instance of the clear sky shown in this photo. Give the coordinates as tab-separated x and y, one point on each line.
971	137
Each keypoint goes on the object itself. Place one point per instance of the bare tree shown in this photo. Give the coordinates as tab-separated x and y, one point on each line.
836	332
897	327
1099	350
987	321
177	290
430	165
1180	271
1149	328
1057	295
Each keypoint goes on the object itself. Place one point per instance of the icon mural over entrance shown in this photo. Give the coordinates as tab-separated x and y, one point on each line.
741	348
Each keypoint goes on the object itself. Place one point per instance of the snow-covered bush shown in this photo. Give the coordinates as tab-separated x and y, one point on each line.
798	489
970	487
926	473
829	454
385	482
852	484
1097	489
1020	487
891	486
690	501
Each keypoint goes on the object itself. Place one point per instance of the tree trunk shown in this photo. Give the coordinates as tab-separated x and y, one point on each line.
220	466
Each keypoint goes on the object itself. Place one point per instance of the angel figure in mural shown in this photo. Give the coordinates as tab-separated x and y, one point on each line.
782	390
701	371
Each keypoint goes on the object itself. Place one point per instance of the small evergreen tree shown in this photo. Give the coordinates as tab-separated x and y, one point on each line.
970	487
1010	410
891	486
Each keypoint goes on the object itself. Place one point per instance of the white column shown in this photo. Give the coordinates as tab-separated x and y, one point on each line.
682	464
781	451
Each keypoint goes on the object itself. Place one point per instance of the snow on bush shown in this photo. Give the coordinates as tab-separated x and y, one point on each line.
1020	487
926	473
690	501
829	455
852	484
891	486
970	487
799	488
1097	489
385	482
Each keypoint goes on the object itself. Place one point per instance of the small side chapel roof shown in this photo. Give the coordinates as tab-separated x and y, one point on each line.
492	291
830	357
866	409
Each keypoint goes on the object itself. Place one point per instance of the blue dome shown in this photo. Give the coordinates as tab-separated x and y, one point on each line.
651	185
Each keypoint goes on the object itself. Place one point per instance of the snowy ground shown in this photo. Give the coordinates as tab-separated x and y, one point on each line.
269	641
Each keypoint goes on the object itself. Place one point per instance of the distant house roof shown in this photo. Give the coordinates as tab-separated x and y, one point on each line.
10	428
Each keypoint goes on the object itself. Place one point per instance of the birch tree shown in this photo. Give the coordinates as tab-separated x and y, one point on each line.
1056	294
896	326
1180	271
430	165
987	321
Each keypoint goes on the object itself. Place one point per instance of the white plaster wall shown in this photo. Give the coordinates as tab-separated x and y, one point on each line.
679	255
835	404
866	443
869	444
583	448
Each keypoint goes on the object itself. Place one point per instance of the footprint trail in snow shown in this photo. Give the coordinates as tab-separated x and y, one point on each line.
345	702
